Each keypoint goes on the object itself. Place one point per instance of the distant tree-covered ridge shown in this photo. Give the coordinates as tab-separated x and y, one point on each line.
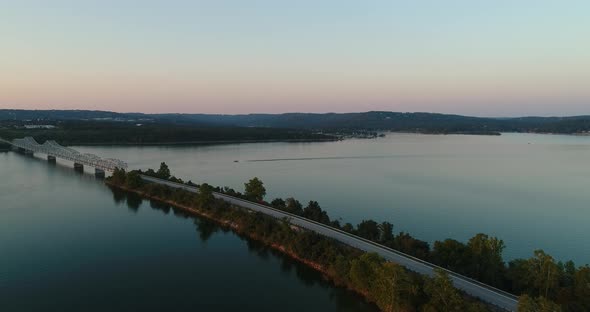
101	132
541	281
374	120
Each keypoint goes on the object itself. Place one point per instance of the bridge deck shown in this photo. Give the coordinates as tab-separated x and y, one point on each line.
53	148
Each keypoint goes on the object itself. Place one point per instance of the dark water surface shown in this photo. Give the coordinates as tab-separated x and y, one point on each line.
69	243
530	190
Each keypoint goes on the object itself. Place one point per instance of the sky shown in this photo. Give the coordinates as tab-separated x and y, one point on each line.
471	57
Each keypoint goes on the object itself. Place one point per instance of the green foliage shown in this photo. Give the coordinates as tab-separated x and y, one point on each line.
486	263
444	297
386	232
539	304
341	268
96	132
119	176
582	288
451	254
363	271
278	203
133	180
314	212
544	273
406	243
368	229
205	195
548	284
394	288
293	206
163	172
255	189
348	227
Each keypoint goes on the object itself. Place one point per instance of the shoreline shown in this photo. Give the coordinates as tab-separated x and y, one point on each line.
223	142
326	274
325	140
217	142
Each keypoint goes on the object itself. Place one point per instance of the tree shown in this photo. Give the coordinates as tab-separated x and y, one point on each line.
133	180
363	271
519	275
393	287
348	227
278	203
293	206
540	304
404	242
544	272
205	195
314	212
163	172
443	296
341	267
582	288
451	254
386	229
255	189
368	229
151	172
486	263
119	176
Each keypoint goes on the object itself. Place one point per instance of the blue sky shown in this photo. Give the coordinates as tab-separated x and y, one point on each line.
488	58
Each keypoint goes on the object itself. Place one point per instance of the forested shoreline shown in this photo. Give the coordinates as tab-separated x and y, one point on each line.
124	133
540	280
417	122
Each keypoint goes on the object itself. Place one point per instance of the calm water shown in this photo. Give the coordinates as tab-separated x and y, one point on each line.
530	190
69	243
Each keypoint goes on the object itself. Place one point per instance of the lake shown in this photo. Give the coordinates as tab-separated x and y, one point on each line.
69	243
529	190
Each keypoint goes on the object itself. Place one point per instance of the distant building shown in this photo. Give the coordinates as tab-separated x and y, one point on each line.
39	126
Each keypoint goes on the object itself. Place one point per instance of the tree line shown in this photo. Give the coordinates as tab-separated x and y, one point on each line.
543	283
95	132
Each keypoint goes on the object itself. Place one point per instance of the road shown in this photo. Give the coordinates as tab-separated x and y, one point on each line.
474	288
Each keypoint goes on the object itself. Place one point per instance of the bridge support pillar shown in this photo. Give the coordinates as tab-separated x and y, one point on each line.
51	159
78	167
29	152
99	173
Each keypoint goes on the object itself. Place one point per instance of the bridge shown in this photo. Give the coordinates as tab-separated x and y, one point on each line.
54	150
489	294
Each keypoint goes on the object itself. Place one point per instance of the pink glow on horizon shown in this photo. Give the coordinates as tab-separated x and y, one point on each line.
506	59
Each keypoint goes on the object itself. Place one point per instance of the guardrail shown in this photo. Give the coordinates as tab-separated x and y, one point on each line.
431	265
402	254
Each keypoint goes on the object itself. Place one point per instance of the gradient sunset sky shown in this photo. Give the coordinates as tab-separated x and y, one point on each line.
484	58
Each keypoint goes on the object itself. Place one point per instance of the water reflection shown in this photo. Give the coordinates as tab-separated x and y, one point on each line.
64	169
133	202
206	229
157	205
343	299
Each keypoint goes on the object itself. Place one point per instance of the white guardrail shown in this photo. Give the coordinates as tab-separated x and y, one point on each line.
473	287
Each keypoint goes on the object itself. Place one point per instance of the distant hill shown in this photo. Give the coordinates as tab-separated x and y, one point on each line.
375	120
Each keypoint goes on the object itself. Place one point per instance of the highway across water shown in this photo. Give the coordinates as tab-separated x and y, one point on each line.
474	288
